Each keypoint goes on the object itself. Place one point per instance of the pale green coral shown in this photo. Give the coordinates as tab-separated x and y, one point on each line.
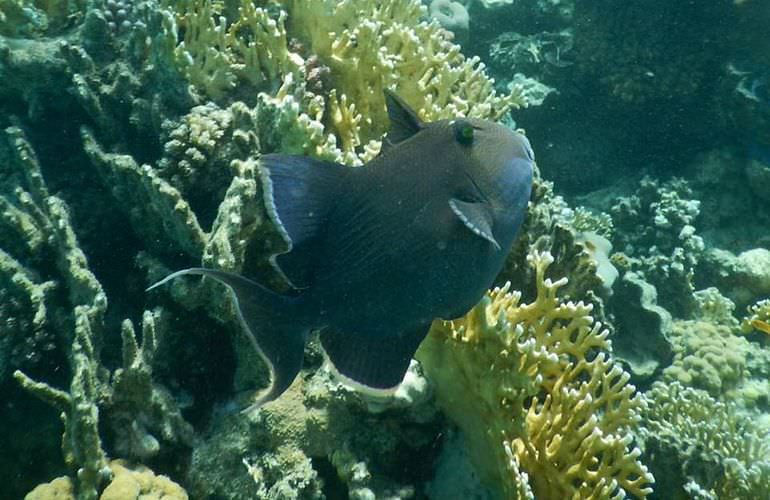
712	306
275	452
131	402
370	47
366	48
30	209
707	356
697	440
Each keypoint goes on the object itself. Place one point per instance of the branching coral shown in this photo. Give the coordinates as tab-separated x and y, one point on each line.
41	225
217	53
656	229
697	439
365	47
369	47
31	210
536	391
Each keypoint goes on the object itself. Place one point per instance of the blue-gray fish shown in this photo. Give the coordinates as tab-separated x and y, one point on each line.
376	253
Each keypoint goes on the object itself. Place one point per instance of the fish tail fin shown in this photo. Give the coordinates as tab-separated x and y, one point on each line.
272	325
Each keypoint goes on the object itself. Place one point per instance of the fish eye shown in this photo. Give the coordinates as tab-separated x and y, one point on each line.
463	132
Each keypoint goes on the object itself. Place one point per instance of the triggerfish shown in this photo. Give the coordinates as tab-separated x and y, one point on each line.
377	252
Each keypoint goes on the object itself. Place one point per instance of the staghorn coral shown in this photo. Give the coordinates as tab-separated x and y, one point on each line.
536	391
365	48
697	442
36	224
216	54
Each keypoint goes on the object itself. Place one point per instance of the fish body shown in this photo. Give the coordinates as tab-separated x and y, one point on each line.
377	252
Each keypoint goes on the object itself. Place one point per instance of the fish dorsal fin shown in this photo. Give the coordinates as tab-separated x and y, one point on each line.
299	194
476	217
404	122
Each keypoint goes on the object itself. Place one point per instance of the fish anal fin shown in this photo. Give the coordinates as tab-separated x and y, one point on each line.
475	216
272	325
372	363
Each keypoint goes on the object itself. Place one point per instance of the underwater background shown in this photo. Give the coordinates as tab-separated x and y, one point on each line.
629	357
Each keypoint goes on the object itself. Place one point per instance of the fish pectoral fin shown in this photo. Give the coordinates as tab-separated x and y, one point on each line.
476	217
370	362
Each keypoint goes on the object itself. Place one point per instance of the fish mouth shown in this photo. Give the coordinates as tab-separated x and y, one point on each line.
478	196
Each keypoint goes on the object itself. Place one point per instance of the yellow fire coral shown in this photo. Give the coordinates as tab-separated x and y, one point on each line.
534	388
369	46
362	47
215	54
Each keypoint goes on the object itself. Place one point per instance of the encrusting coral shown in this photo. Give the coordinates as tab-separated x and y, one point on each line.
545	409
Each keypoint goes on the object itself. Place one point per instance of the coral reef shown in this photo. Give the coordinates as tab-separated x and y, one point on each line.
733	212
161	110
40	222
707	356
553	226
743	278
758	318
545	409
164	109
